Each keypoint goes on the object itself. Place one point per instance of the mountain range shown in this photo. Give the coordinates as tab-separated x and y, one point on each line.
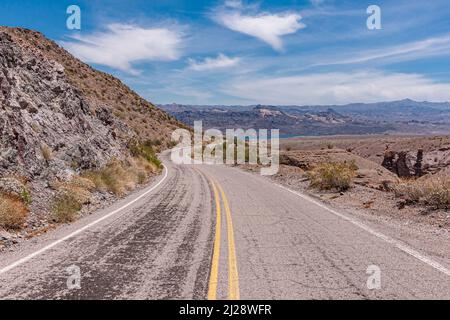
399	117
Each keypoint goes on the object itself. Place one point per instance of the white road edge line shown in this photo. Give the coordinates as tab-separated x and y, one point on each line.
73	234
398	244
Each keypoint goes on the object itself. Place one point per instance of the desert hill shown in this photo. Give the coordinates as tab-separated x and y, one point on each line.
71	137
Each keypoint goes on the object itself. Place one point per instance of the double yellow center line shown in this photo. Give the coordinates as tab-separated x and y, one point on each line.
233	279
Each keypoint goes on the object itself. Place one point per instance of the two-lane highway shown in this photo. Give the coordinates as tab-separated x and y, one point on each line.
215	232
289	246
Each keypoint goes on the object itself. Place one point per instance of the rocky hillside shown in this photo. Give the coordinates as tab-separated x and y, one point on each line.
44	118
99	89
70	135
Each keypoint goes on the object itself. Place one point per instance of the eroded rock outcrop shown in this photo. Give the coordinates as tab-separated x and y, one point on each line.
416	163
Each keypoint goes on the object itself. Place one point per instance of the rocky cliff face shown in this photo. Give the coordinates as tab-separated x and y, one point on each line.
59	120
47	127
101	90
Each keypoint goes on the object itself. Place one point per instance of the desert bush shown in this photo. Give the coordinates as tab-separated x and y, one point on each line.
25	195
13	212
433	191
410	191
71	197
79	188
438	196
111	178
327	176
144	150
65	208
119	177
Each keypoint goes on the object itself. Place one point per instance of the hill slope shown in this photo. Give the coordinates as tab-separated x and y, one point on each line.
70	135
100	89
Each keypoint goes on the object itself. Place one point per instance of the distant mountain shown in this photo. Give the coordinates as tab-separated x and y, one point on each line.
405	116
403	110
289	121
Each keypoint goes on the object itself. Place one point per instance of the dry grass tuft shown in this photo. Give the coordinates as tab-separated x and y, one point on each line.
79	188
71	197
433	191
118	178
66	208
328	176
13	212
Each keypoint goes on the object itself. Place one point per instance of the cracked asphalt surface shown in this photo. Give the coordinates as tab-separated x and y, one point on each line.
161	247
158	248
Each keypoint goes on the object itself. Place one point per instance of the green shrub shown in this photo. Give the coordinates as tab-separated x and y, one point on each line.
145	150
26	196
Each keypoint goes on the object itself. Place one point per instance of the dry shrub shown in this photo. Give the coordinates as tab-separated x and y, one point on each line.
118	178
411	191
112	178
71	197
327	176
13	212
65	208
433	191
79	188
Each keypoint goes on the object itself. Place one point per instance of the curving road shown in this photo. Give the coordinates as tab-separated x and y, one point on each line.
215	232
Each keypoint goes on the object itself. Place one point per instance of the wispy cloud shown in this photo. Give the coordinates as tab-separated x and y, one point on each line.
235	4
403	52
121	45
268	27
338	88
316	2
220	62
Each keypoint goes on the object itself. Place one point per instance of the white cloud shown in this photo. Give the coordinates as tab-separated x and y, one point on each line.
220	62
235	4
338	88
268	27
404	52
121	45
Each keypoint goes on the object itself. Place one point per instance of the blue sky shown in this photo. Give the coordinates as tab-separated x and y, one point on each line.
246	52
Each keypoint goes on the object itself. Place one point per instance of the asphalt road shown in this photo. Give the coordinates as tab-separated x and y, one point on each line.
215	232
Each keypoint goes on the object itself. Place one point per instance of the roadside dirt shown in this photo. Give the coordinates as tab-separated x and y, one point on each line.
368	194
